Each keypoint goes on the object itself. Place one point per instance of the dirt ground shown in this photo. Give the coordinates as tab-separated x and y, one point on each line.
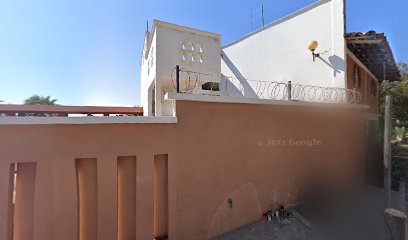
354	216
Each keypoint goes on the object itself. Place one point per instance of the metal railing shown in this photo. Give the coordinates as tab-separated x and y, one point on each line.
190	82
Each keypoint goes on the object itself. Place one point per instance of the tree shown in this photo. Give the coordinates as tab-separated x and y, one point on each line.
399	91
40	100
403	67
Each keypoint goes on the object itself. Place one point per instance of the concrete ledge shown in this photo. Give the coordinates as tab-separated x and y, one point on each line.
242	100
86	120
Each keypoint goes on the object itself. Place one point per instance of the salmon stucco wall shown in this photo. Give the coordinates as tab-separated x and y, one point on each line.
225	164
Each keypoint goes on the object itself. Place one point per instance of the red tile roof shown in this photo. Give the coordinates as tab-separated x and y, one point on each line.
373	50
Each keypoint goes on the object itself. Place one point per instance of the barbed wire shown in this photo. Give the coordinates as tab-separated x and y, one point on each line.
192	82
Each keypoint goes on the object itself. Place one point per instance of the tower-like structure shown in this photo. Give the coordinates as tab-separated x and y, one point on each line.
166	46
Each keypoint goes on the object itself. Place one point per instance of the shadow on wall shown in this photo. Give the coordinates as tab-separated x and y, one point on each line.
336	63
246	87
229	88
239	86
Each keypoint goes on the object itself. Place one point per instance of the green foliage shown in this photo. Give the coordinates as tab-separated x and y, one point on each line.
399	91
40	100
400	132
399	162
403	67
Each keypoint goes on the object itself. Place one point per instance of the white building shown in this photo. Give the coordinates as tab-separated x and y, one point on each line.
260	64
278	52
166	46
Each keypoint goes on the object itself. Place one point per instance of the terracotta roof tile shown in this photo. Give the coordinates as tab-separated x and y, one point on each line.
373	49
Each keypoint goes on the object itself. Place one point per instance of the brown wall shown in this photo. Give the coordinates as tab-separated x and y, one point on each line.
215	152
368	87
126	197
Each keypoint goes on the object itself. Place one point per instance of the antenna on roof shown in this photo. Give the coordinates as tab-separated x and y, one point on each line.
147	25
263	19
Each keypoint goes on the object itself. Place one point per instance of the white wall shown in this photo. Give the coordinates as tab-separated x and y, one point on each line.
278	52
148	72
170	39
201	53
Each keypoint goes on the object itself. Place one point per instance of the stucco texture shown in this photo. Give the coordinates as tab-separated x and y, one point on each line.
227	163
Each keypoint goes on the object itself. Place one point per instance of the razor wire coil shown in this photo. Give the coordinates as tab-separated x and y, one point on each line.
191	82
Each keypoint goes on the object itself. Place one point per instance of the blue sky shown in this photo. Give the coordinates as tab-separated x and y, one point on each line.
87	52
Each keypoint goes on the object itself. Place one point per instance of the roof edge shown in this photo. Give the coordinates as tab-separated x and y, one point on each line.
12	108
157	23
256	101
358	61
281	20
379	39
85	120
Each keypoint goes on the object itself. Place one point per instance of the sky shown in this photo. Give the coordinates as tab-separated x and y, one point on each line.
87	52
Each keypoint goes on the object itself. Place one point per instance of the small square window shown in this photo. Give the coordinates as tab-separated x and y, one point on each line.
188	46
182	45
182	57
187	57
198	48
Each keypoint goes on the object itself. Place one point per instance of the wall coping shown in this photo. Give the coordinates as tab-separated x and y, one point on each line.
61	109
281	20
159	23
86	120
32	120
242	100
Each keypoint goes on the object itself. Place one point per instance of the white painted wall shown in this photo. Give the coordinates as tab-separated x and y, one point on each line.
148	72
173	45
278	52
